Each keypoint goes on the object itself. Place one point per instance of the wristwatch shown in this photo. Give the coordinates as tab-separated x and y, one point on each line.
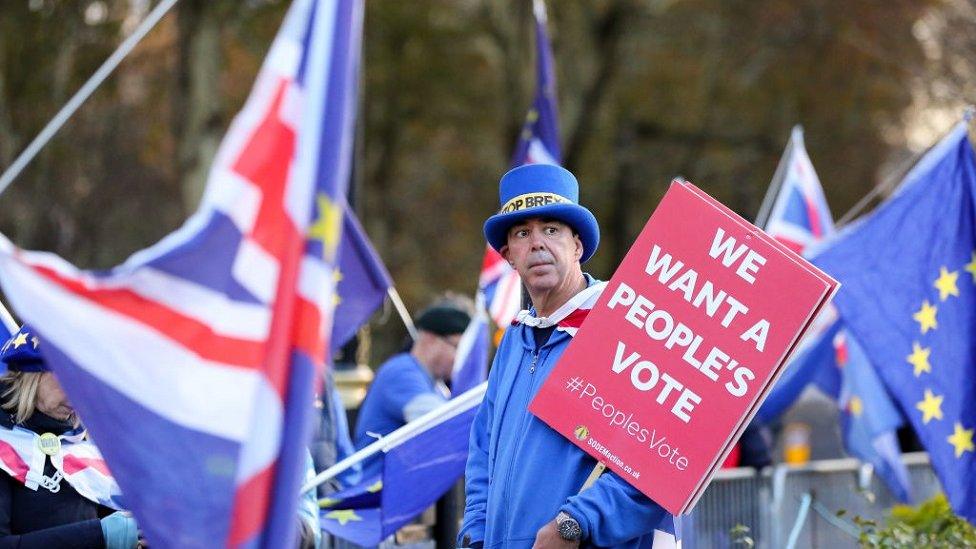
568	527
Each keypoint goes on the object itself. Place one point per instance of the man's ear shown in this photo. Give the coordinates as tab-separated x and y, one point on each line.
579	246
504	252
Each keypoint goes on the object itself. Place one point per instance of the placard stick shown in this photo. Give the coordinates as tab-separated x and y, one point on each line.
594	474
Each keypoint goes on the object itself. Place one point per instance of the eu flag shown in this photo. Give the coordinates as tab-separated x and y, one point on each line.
416	473
361	281
909	296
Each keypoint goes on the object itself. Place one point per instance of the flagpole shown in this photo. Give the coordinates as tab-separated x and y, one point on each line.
433	418
83	94
8	320
886	185
882	187
777	182
897	176
402	310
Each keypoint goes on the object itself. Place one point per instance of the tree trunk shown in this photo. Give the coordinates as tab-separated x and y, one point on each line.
9	141
198	118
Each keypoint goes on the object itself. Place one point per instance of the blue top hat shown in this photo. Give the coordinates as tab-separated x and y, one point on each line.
20	353
546	191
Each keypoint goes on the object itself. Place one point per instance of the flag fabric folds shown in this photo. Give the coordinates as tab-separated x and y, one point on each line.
416	473
471	358
78	461
362	281
6	332
807	365
210	340
798	214
799	217
501	287
909	296
795	212
869	419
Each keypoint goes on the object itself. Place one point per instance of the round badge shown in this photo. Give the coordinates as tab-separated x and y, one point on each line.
49	443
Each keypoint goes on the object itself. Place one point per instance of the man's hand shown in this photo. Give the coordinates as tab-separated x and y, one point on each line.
548	538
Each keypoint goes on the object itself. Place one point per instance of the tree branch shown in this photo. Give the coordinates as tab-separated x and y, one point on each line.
609	31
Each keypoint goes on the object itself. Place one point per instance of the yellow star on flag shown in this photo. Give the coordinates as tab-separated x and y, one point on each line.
926	317
328	502
971	266
376	487
931	407
961	440
856	405
530	119
946	284
326	228
920	359
343	516
336	278
21	339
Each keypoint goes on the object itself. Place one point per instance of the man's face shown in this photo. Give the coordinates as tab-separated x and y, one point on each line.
442	361
543	251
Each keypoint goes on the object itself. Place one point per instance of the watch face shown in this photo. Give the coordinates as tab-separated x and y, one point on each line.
569	529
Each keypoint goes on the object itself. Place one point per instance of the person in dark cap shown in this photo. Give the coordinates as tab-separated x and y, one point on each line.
40	507
523	480
410	384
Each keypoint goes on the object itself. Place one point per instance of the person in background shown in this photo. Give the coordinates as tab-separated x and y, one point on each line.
35	416
752	450
410	384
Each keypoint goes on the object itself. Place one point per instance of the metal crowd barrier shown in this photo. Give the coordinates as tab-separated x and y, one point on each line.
785	506
796	506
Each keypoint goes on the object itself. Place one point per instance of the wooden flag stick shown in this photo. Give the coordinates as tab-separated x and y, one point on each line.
402	310
594	474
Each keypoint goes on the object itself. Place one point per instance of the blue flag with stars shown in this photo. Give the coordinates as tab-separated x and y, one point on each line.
361	281
908	294
416	473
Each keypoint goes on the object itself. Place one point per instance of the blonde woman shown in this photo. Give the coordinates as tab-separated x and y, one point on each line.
39	506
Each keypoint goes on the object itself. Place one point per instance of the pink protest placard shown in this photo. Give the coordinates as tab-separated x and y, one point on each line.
688	335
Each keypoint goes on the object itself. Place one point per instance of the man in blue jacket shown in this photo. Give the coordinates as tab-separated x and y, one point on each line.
410	384
523	479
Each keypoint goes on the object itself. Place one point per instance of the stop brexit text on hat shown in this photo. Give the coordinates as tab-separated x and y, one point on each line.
680	349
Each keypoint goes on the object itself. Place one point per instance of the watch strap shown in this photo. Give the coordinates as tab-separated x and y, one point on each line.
569	528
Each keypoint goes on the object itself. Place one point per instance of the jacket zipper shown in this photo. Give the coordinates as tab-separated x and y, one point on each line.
524	407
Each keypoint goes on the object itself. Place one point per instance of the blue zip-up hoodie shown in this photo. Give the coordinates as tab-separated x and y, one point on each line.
521	473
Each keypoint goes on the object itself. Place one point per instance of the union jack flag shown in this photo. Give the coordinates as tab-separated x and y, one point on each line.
570	316
795	212
77	460
193	364
798	214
